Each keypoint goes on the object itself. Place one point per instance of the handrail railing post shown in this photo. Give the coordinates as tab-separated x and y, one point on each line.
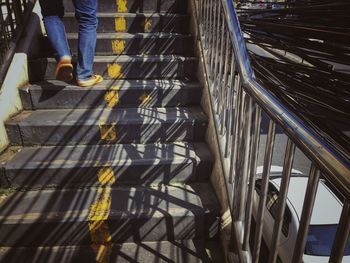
306	214
11	29
234	96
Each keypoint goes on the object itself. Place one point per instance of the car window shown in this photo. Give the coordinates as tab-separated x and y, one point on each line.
272	203
320	240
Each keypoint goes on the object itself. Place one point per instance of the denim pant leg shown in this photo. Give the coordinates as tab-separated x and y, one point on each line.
53	12
85	11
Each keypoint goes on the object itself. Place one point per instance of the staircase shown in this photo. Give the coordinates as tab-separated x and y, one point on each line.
118	172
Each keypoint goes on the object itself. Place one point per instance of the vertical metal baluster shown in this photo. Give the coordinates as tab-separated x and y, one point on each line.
264	187
282	198
205	7
217	33
236	224
206	35
3	32
212	47
236	124
308	205
342	235
234	90
211	29
203	19
238	182
215	89
230	110
253	167
221	64
243	171
211	38
225	88
9	16
200	17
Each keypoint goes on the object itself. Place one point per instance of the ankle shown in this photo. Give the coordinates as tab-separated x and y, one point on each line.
65	58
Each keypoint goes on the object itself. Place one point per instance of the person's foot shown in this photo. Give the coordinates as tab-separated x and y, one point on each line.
64	70
95	79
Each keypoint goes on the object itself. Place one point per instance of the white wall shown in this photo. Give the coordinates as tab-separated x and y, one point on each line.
17	75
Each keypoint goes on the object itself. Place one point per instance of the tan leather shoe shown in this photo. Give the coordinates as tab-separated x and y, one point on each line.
64	70
95	79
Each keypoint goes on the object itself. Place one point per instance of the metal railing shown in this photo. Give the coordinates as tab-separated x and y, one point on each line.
12	18
239	102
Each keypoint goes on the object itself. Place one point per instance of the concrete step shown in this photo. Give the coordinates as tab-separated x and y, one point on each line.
81	166
185	251
134	23
137	44
137	6
133	44
52	94
108	215
107	126
125	67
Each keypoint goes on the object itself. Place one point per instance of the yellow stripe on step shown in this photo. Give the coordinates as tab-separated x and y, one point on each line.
106	176
114	71
107	131
98	214
147	25
112	98
118	46
102	252
144	99
120	24
122	6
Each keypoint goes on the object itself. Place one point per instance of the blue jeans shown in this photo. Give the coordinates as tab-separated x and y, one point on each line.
85	12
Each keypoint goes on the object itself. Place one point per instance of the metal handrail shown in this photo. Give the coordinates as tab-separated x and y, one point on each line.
238	102
336	165
12	28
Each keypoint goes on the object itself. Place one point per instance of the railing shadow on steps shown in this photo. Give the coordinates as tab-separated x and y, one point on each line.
238	104
176	131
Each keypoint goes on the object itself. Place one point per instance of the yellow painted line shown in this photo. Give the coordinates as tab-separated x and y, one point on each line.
98	214
120	24
147	25
115	70
145	98
122	6
107	130
118	46
102	252
112	98
106	176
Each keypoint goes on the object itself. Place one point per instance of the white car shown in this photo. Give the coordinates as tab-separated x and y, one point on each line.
324	220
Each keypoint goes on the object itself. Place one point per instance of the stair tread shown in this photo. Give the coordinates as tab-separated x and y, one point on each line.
121	84
116	14
133	35
126	202
50	157
134	58
184	251
107	115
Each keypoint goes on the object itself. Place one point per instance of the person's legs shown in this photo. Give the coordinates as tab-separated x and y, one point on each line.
85	11
53	11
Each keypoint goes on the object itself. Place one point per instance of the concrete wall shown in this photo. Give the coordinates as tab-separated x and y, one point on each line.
17	75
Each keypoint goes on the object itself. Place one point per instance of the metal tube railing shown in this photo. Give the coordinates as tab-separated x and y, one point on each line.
238	103
13	17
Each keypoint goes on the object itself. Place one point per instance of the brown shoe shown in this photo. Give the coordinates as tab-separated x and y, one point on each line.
64	70
95	79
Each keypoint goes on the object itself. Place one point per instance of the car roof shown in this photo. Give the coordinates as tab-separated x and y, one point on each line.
327	207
